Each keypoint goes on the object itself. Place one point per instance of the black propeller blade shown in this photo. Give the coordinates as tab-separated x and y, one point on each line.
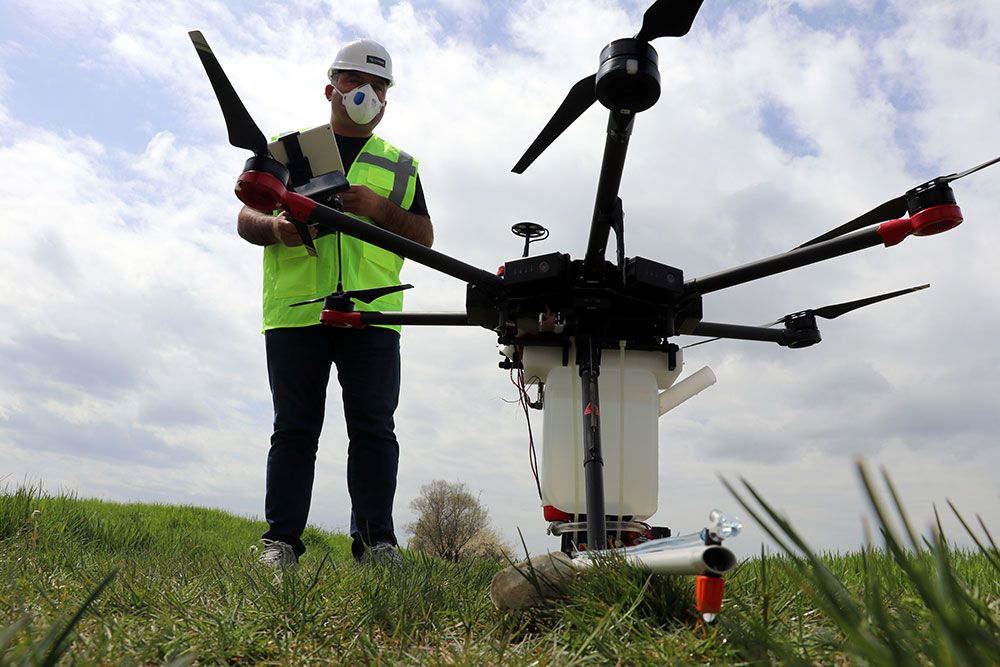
832	311
366	295
668	18
955	177
664	18
892	209
243	132
581	96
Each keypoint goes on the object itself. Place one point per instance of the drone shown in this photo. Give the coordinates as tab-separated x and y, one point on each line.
582	327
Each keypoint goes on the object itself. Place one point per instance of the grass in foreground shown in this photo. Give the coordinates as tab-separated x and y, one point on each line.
103	583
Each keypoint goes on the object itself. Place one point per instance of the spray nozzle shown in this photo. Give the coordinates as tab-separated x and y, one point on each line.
720	527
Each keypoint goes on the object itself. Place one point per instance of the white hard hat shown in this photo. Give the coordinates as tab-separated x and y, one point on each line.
363	55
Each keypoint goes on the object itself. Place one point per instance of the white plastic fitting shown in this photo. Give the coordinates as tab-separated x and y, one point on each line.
685	389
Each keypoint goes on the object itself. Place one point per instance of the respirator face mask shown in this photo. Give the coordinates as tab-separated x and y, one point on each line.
362	103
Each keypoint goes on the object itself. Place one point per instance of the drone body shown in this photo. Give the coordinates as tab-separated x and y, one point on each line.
572	324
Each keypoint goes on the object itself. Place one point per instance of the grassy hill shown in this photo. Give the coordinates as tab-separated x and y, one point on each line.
105	583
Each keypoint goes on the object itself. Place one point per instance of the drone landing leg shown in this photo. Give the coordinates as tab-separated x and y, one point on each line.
588	358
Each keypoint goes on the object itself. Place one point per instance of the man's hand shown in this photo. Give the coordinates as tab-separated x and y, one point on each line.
285	232
361	200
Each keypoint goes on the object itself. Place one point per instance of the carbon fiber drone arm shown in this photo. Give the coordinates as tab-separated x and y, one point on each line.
929	221
359	319
262	191
739	332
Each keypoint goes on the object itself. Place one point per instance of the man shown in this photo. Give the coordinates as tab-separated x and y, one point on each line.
385	191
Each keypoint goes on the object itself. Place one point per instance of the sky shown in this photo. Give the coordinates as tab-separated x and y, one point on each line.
131	360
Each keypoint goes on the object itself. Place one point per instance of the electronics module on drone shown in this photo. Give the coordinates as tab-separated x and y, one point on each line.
555	316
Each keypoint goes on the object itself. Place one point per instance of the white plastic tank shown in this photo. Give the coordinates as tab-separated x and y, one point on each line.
629	442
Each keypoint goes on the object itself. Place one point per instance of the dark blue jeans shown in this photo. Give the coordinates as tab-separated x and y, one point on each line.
298	367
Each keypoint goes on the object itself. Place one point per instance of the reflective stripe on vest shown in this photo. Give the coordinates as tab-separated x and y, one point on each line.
401	171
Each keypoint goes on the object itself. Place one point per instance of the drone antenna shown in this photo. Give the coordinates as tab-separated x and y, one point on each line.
531	231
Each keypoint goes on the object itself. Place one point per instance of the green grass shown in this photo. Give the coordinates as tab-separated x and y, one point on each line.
91	582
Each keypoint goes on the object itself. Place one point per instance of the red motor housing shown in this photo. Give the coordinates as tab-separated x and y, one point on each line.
933	220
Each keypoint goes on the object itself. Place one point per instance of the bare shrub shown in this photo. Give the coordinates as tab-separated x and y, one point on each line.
452	523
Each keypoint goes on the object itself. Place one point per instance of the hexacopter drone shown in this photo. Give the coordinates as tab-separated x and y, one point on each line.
556	317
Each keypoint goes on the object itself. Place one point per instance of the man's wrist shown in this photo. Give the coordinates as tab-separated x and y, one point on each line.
383	211
257	228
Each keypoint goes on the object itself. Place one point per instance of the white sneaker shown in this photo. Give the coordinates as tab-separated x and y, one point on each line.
382	554
277	554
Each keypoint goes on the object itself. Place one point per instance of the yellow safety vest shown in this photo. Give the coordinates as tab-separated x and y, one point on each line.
292	275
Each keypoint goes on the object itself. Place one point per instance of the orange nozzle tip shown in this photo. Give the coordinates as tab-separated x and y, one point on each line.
708	594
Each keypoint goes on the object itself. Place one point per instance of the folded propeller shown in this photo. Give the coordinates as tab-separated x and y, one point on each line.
936	192
341	300
627	80
244	133
806	318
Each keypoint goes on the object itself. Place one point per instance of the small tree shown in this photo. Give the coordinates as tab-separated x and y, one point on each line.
451	522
